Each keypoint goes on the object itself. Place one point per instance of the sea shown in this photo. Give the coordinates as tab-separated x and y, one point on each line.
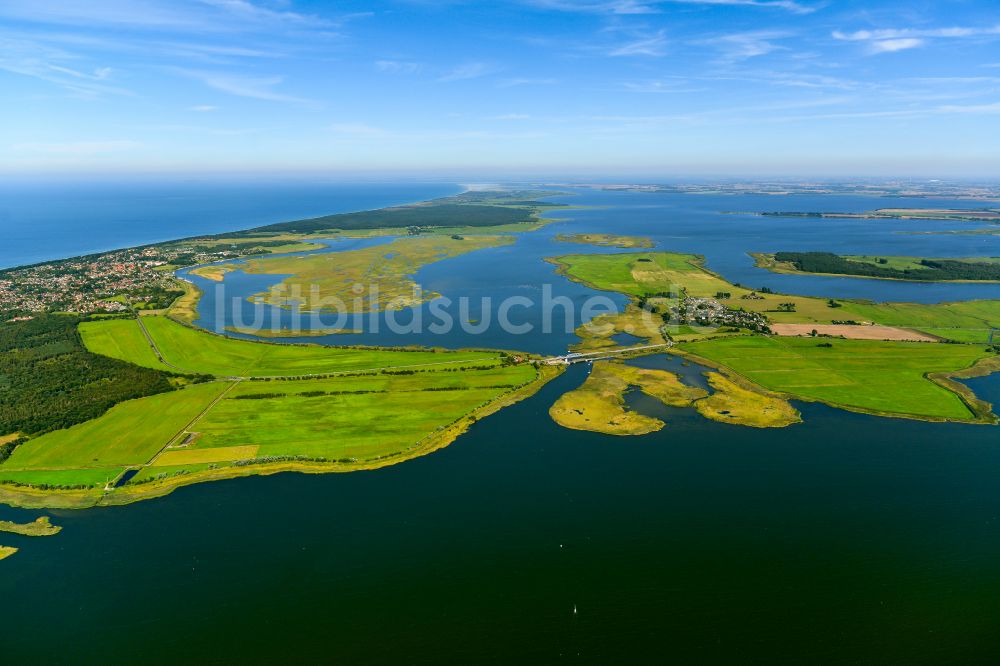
844	539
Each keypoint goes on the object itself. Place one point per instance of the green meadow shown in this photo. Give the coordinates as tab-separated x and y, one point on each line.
392	404
198	351
872	376
355	417
884	377
645	273
130	433
121	339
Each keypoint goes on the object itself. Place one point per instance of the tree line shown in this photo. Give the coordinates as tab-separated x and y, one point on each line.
931	269
50	381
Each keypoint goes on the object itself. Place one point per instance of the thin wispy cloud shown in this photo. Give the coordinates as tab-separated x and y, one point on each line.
672	87
891	40
526	81
471	70
893	45
789	5
598	6
746	45
253	87
57	67
652	46
625	7
194	15
398	66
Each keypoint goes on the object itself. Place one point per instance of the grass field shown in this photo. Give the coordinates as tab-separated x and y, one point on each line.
399	412
644	273
903	263
121	339
873	376
198	351
318	281
130	433
354	419
884	377
62	477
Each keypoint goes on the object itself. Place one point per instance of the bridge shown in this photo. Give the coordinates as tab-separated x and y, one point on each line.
580	357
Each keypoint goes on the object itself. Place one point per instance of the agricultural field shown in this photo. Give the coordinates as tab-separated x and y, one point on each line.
866	375
347	417
316	281
121	339
642	274
196	350
130	433
392	404
882	377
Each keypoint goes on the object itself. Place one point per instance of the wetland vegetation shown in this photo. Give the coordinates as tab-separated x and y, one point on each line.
384	272
891	378
41	526
607	240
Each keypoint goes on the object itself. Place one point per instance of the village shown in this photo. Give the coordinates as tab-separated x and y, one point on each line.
710	312
110	282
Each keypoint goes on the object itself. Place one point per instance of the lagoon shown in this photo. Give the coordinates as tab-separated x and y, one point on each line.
844	538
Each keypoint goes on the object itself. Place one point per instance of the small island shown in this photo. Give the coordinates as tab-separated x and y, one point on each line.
6	551
607	240
599	404
953	214
883	267
40	527
290	333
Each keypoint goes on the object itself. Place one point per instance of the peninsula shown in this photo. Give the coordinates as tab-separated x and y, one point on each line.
917	269
732	329
136	401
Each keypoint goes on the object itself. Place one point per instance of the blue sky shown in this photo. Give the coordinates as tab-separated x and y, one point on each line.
520	88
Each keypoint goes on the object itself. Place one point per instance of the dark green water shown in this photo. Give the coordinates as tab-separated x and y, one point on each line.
847	538
844	539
